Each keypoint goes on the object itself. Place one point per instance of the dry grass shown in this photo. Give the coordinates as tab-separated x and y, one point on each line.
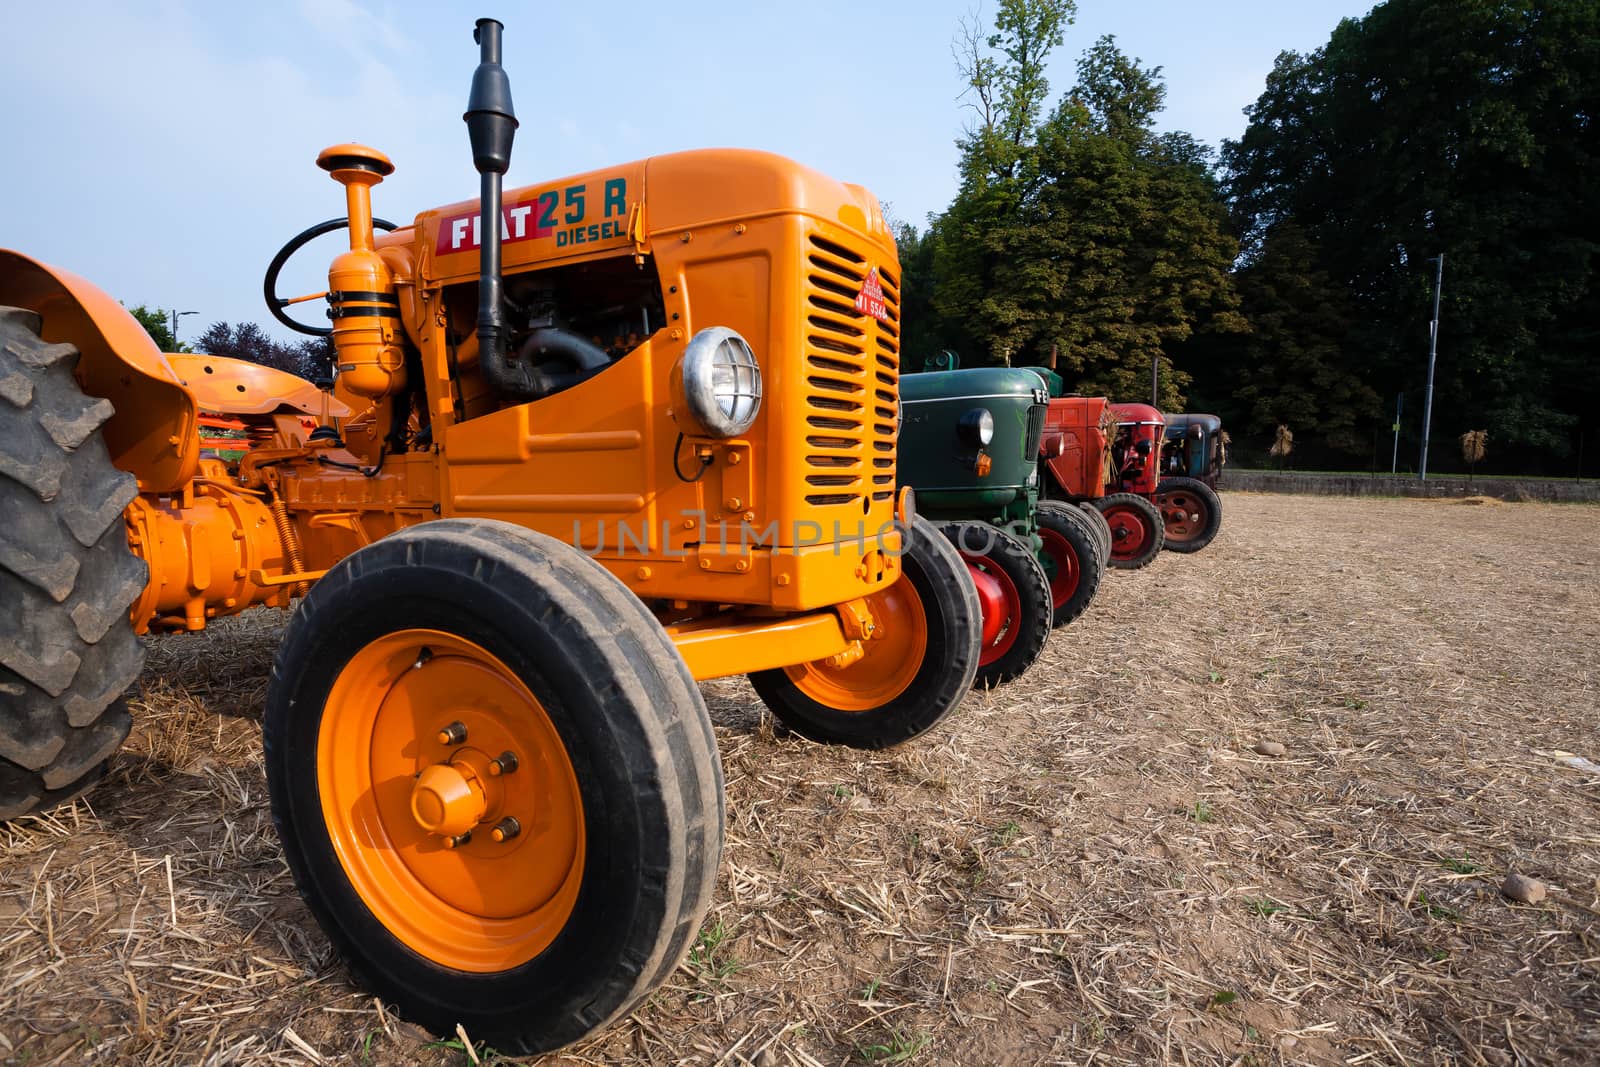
1091	866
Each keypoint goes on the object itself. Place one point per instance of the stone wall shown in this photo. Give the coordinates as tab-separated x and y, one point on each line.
1541	489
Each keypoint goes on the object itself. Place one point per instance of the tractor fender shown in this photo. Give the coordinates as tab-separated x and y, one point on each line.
230	386
154	433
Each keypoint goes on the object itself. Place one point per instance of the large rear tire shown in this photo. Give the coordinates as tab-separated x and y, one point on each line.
531	899
1072	560
1023	605
915	670
1191	513
1136	529
67	577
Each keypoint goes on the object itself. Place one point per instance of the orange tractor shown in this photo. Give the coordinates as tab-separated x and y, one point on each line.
589	442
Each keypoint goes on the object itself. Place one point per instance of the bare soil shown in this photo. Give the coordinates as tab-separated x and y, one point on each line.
1092	865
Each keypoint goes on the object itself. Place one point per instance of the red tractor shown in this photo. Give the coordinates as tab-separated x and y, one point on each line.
1191	512
1107	457
1079	462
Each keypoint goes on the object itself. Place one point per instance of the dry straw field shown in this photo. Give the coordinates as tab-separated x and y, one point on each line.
1090	866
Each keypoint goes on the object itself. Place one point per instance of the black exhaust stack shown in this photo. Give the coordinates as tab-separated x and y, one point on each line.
492	124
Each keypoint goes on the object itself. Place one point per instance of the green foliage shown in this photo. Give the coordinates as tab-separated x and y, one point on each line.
712	957
247	341
1465	127
897	1047
1077	229
157	322
1291	369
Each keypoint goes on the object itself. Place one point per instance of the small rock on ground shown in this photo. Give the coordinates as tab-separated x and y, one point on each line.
1521	888
1270	748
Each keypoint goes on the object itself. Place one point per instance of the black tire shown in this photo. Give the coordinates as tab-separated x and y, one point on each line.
1102	529
1191	514
631	722
949	606
1025	589
1136	529
1075	565
1089	526
67	577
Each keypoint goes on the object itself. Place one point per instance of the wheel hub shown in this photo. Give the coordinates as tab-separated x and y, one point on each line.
448	799
1181	515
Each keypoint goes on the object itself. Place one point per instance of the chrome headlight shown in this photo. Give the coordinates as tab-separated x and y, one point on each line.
976	427
721	381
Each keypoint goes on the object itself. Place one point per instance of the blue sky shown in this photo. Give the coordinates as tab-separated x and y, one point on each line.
165	150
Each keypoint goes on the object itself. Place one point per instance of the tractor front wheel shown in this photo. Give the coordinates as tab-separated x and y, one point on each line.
1020	619
914	670
1102	529
1072	560
1191	512
495	782
1136	529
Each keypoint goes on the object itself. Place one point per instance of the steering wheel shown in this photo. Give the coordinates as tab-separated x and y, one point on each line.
269	285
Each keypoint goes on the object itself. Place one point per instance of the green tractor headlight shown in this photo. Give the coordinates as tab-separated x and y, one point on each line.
976	427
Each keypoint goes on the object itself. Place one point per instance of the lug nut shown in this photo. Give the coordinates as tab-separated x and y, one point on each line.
504	765
454	734
506	829
458	840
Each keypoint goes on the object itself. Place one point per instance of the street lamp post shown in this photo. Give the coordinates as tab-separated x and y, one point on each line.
1394	460
176	315
1433	348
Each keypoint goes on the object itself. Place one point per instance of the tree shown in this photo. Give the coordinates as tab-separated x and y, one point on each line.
919	336
974	244
247	341
1084	231
1291	366
157	323
1467	127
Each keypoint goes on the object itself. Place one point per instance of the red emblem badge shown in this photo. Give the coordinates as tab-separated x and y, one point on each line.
870	300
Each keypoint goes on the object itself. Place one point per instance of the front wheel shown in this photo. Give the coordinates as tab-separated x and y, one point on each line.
495	782
1019	616
1191	512
915	669
1136	529
1071	559
1102	529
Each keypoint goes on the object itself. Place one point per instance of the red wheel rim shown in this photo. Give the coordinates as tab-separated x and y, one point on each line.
1063	561
1009	608
1184	515
1129	537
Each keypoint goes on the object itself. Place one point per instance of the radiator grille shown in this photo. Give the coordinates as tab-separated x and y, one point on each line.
1036	417
852	376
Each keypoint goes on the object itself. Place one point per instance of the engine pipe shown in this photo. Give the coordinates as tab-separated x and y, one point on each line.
587	357
492	125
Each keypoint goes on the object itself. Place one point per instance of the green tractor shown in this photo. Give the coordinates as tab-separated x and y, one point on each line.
969	447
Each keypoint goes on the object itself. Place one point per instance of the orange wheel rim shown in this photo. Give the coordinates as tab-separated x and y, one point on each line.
890	659
413	736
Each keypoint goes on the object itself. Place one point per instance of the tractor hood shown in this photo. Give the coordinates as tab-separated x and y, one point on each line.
972	384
